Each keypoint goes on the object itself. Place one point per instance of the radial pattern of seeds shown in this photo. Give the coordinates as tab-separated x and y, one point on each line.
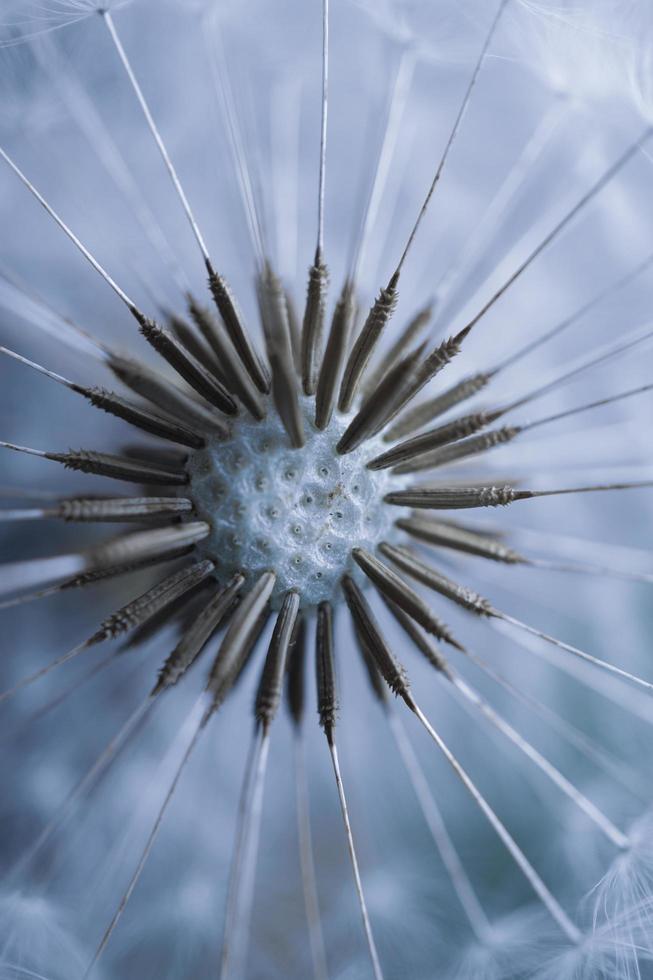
284	484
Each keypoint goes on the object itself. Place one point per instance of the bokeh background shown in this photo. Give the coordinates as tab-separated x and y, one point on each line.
562	92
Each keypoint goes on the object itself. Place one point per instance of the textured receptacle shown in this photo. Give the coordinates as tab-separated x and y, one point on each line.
298	511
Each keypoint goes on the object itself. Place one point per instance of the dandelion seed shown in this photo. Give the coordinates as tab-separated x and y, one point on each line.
241	886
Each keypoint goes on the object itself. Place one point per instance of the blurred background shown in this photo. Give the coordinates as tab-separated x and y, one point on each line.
563	91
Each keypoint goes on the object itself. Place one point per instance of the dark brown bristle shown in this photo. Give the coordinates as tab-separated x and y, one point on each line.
410	332
455	498
144	546
183	362
377	406
446	535
436	361
377	319
463	596
452	431
268	693
295	687
325	671
114	404
195	343
423	643
122	509
274	315
233	321
373	645
240	638
295	331
399	592
157	425
313	325
119	468
334	355
460	450
159	390
232	370
422	414
196	636
140	610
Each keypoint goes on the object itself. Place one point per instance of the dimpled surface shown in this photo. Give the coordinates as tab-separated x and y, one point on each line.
298	512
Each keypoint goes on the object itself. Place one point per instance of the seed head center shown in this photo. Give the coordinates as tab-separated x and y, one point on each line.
298	512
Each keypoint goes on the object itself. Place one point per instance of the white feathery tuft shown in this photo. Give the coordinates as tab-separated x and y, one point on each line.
614	950
24	20
628	885
584	51
512	948
36	940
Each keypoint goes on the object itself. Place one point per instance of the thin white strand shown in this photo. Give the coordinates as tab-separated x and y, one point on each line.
41	32
28	493
454	131
501	201
577	315
371	945
307	863
225	97
625	552
12	516
238	853
605	825
22	449
38	571
108	20
22	971
585	568
606	353
569	216
196	718
588	407
42	671
100	766
36	367
68	691
29	597
611	765
461	884
608	686
323	127
32	308
399	97
582	654
244	900
67	231
82	109
285	139
554	908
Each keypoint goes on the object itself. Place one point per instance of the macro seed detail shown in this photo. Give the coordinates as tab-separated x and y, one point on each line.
297	511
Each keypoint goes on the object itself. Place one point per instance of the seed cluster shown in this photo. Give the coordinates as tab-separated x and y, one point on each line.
289	484
297	511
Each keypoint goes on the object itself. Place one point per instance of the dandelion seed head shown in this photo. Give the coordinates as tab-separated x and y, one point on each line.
251	396
299	512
